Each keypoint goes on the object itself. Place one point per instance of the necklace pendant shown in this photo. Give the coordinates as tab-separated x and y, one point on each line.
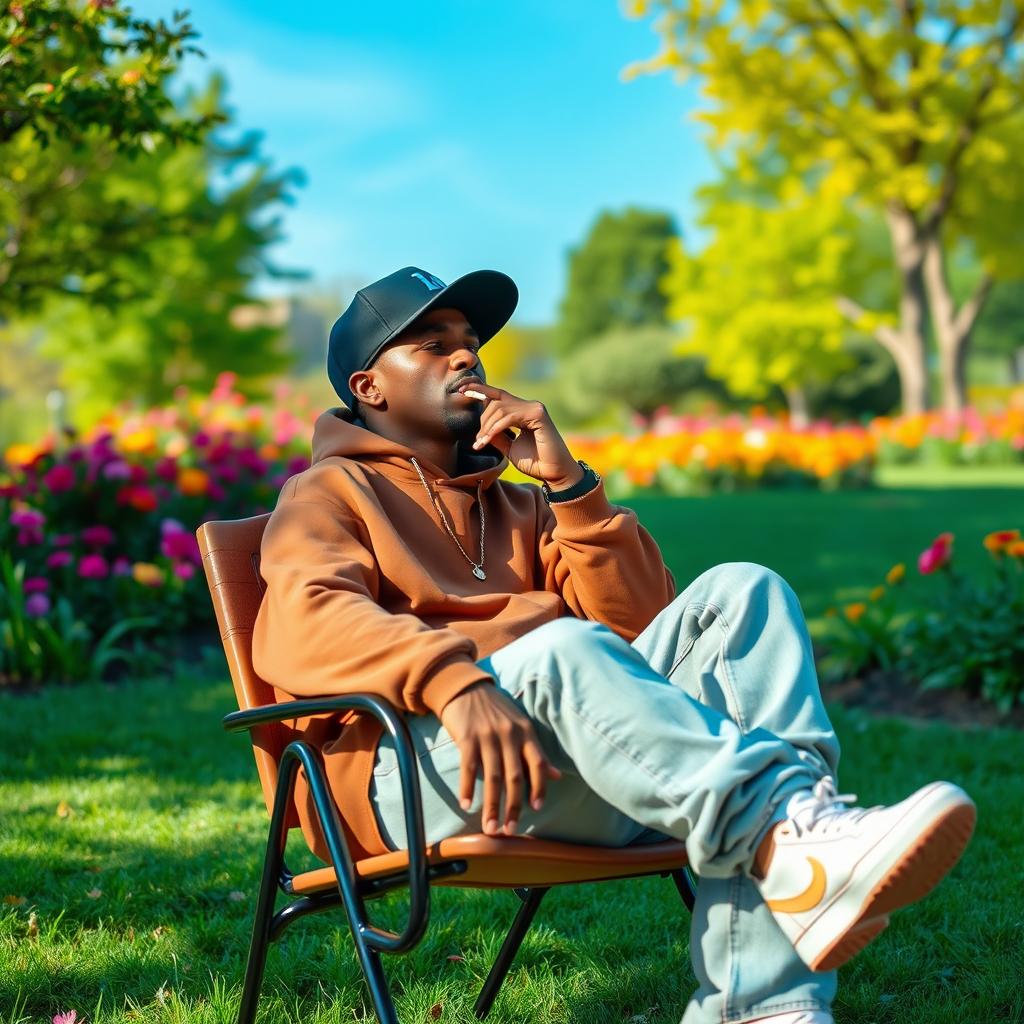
479	573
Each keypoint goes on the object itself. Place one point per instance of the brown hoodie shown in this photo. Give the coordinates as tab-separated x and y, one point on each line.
367	592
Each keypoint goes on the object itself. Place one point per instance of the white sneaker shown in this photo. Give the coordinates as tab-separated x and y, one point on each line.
836	873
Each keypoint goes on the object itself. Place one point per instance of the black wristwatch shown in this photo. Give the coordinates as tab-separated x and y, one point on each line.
590	479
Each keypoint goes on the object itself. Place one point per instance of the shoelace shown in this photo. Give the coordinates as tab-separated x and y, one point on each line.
823	805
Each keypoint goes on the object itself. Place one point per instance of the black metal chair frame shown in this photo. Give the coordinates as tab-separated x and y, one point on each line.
352	891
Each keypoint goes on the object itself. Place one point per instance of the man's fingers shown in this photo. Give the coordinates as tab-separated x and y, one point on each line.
491	758
536	763
467	775
513	760
499	425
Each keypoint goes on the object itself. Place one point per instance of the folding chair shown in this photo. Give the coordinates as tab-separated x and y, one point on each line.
529	866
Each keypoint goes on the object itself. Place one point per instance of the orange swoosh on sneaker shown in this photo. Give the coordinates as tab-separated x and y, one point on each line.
806	900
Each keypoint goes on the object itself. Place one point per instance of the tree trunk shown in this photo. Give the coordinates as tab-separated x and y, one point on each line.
953	327
796	399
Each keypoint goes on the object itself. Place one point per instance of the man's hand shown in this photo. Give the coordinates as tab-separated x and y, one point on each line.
493	733
538	450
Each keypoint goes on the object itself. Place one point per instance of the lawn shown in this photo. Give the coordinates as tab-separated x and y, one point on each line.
131	831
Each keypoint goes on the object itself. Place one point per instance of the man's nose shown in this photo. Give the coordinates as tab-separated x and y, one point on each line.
464	357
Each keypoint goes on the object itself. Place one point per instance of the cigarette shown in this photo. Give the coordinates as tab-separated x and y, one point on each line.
475	394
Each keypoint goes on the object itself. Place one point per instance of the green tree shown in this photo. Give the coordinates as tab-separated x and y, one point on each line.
81	84
914	109
1001	326
614	274
188	313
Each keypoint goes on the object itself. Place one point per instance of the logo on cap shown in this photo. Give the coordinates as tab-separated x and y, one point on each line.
432	283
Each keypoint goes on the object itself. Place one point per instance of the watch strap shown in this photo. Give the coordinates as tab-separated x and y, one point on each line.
590	479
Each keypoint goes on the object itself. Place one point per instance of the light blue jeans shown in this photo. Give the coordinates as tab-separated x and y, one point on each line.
700	729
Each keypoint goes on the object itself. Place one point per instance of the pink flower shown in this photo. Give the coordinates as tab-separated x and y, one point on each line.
935	557
184	570
97	536
218	453
74	454
60	478
229	474
35	584
139	474
92	567
67	1017
62	540
37	605
122	566
200	438
58	560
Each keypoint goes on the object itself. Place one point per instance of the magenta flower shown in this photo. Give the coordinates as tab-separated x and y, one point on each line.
59	478
139	474
27	518
181	544
37	605
97	536
214	491
58	560
229	474
8	490
35	584
122	566
297	464
184	570
74	454
62	540
93	567
200	439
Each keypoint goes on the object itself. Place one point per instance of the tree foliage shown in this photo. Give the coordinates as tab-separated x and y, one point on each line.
187	311
912	109
81	84
614	275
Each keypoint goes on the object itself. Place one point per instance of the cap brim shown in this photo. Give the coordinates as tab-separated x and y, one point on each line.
486	298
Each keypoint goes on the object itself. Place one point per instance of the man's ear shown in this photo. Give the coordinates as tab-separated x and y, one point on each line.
364	388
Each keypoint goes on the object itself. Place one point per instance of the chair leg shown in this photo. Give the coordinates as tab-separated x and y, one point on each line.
376	982
524	918
687	886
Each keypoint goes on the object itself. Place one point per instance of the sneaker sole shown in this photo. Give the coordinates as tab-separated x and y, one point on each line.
923	864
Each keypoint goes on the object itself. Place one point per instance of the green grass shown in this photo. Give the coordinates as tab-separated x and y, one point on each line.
167	824
138	903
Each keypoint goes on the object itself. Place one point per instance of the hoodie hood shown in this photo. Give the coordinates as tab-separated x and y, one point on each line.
337	433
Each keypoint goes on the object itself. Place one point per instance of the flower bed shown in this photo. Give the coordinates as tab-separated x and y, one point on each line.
949	631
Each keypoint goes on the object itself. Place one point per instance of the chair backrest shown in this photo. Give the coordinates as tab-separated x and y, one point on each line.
231	560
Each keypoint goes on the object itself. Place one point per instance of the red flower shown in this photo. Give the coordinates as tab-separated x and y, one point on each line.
60	478
97	536
166	468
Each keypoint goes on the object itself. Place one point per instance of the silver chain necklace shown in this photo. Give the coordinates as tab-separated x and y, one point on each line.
478	567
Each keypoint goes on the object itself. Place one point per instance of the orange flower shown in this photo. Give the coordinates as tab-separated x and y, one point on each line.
1015	549
1000	540
877	593
854	611
192	481
895	574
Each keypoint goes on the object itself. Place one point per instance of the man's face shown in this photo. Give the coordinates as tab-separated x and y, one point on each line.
418	371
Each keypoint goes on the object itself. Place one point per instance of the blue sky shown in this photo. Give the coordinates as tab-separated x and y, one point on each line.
452	134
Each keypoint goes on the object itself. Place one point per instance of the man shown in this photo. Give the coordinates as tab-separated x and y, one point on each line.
534	638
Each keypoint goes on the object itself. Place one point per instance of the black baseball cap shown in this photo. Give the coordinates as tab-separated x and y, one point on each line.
382	310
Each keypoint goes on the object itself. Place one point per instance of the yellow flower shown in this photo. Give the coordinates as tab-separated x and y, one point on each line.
854	611
896	574
192	481
877	593
148	574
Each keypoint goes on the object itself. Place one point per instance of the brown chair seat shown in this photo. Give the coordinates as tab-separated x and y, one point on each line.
507	862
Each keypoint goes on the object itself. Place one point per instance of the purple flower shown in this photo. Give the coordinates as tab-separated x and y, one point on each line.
200	438
169	525
297	464
122	566
37	605
92	567
62	540
117	470
74	454
60	478
97	536
58	559
35	584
